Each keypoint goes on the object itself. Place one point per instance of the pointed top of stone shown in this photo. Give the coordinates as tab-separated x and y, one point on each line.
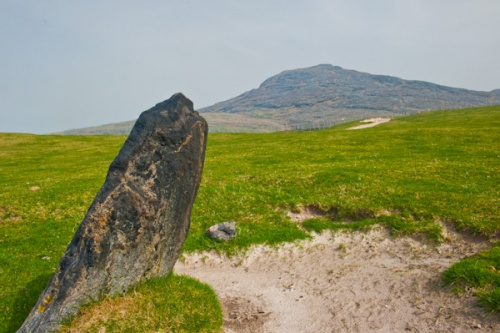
176	99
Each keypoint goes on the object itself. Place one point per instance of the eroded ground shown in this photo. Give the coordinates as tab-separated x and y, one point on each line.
343	282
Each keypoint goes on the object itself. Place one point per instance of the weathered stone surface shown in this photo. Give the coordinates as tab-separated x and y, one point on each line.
222	231
135	228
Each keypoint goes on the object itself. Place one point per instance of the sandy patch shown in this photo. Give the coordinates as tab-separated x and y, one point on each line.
309	212
342	282
370	123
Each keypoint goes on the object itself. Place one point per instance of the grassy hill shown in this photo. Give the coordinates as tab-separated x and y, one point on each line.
413	175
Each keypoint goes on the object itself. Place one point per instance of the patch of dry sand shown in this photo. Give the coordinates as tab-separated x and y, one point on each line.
342	282
370	123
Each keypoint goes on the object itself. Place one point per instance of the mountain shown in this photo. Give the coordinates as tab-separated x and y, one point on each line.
326	94
323	95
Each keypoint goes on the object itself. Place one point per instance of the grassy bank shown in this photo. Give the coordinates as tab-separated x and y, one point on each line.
412	174
171	304
480	274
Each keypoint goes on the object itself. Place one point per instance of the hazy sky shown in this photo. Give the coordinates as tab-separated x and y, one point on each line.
69	64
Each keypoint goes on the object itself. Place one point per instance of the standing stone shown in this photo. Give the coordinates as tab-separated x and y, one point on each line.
135	228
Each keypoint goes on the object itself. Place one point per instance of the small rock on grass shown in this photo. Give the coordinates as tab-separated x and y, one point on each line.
222	231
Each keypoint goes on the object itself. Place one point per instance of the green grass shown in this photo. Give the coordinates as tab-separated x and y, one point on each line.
479	273
420	170
410	175
38	225
171	304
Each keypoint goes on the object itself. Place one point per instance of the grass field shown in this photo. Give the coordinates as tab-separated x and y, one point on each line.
412	174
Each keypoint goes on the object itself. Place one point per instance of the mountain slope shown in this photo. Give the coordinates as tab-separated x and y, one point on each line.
327	94
321	96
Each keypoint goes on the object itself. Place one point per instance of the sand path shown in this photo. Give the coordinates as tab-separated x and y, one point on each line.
370	123
342	282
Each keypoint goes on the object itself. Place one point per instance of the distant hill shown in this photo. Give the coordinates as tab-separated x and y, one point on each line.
321	96
115	128
218	122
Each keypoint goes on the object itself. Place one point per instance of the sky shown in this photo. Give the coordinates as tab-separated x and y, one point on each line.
71	64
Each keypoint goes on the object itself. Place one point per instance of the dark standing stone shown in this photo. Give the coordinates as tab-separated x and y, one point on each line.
135	228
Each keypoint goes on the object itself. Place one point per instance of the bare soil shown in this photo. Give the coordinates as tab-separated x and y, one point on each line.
343	282
370	123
